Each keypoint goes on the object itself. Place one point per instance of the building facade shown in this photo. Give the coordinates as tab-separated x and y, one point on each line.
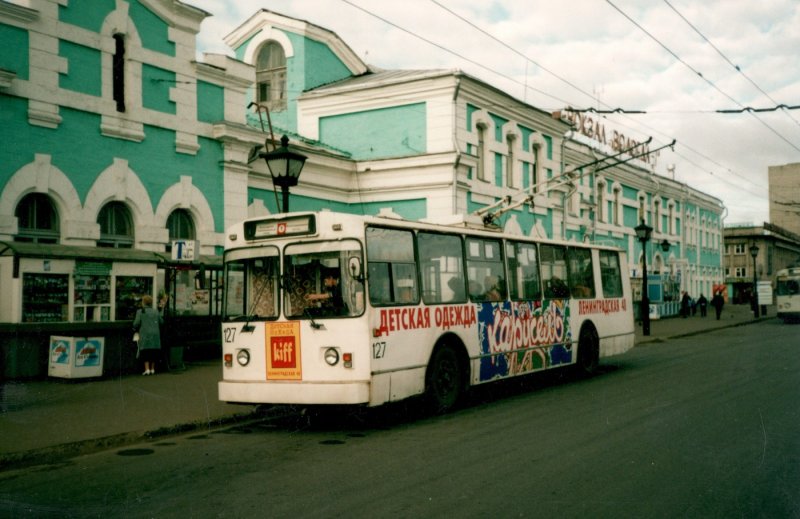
128	152
784	196
777	248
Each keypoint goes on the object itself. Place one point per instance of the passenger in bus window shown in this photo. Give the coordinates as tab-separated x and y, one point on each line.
556	288
456	284
405	291
331	295
475	290
493	290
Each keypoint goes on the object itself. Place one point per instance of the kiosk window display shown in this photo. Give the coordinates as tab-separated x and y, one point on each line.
92	298
45	298
129	293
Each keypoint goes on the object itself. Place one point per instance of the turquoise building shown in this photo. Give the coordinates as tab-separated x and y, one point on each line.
127	157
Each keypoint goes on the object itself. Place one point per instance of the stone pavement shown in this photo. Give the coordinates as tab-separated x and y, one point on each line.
49	420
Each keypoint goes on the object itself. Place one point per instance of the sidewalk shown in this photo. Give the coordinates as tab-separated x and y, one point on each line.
674	327
54	419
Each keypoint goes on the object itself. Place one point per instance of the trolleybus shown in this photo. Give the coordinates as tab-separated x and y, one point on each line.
332	308
787	294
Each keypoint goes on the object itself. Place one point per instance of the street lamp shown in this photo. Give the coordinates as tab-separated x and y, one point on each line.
665	245
285	166
643	232
754	254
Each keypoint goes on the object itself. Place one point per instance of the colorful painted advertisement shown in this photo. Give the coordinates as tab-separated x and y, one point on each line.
521	337
60	350
88	352
282	343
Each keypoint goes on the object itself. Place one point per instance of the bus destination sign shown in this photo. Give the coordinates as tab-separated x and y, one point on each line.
279	228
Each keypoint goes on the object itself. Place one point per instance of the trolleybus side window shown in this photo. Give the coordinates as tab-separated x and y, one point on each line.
610	275
485	270
523	271
581	273
392	269
554	271
442	267
251	285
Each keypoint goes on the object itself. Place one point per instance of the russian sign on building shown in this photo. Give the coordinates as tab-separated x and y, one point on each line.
594	129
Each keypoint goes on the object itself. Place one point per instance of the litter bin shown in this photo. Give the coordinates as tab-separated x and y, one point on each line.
76	357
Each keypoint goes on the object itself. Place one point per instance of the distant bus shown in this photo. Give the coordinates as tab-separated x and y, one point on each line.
331	308
787	294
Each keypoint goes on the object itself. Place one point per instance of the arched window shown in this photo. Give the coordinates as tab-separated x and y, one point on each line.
657	215
481	151
510	141
116	226
271	76
601	201
180	226
118	72
37	219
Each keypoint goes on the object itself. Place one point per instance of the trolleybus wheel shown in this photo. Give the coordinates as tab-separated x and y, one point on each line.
444	381
588	350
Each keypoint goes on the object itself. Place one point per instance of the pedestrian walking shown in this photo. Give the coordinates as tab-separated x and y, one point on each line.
147	324
702	302
717	302
685	303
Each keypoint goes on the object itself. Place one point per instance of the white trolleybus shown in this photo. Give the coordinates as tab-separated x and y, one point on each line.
787	294
331	308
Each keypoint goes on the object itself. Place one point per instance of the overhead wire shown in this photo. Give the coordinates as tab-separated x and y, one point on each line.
735	66
699	74
505	76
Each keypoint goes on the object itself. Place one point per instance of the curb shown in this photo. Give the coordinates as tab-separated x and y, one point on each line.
65	451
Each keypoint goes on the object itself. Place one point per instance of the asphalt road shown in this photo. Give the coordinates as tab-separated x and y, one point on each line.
705	426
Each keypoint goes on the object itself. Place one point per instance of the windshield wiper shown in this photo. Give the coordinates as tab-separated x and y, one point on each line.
248	328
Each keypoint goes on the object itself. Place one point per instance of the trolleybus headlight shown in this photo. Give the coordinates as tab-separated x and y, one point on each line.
331	356
243	357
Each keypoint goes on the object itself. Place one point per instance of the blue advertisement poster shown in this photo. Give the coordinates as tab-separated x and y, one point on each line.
59	350
88	352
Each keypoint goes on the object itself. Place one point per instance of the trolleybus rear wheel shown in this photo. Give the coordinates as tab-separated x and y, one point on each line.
588	350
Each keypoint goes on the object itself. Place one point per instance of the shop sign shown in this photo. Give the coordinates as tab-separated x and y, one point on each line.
92	268
184	250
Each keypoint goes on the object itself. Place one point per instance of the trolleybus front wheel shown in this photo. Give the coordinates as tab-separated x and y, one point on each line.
444	381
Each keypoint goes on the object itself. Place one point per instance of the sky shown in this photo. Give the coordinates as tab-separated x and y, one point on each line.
680	62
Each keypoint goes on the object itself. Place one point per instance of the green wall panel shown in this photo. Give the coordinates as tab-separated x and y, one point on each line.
88	14
327	67
153	31
156	86
83	69
498	169
81	152
415	209
14	51
210	102
388	132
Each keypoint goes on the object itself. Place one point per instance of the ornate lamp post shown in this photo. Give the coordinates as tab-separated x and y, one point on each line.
665	245
643	232
754	254
285	166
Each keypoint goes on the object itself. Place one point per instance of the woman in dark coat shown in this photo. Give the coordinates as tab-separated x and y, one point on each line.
148	322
